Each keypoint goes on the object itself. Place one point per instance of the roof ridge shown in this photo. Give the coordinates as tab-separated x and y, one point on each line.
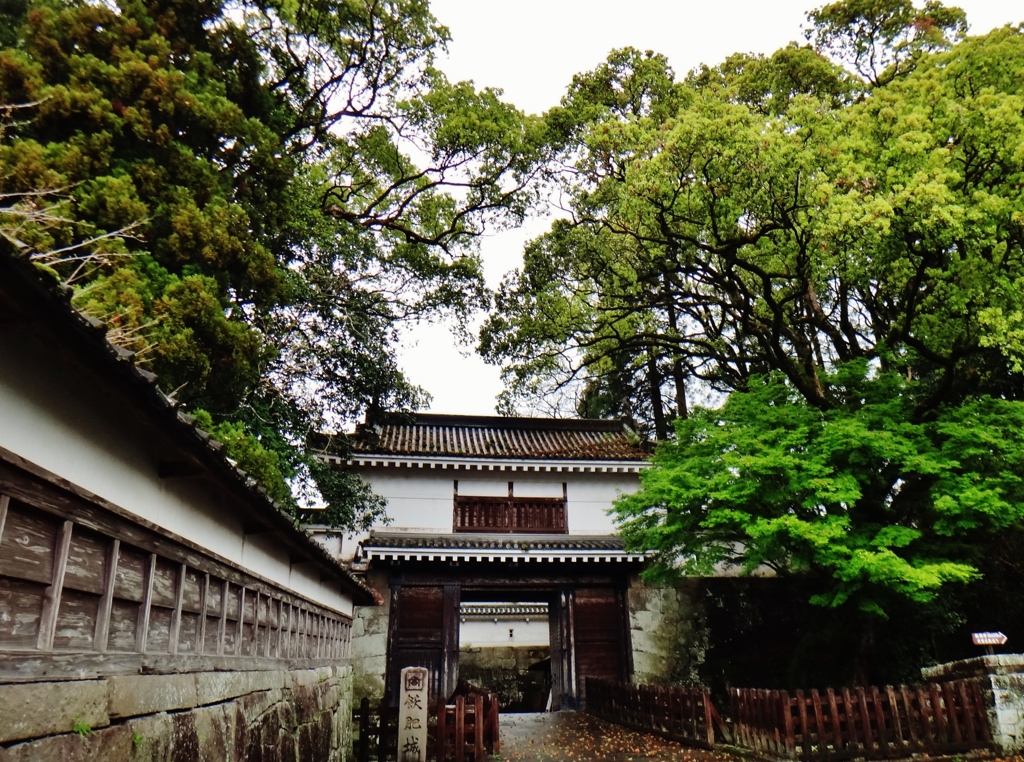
508	422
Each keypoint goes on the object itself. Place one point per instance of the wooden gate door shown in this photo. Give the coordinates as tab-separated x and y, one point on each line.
600	636
560	638
589	638
424	632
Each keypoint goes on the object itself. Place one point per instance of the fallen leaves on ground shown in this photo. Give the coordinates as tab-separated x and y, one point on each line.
579	736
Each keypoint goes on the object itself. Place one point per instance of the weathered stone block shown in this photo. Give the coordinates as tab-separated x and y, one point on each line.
214	726
310	719
32	710
214	687
315	739
151	738
134	695
184	738
108	744
304	677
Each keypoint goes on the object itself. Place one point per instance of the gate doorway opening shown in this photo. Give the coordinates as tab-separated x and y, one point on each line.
587	633
504	648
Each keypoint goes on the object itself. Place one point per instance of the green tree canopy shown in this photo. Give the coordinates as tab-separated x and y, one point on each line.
830	259
254	196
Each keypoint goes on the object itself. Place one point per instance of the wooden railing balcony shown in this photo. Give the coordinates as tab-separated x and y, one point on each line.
510	515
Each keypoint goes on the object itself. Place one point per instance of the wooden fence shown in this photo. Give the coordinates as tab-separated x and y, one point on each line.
465	731
874	723
468	730
871	723
680	714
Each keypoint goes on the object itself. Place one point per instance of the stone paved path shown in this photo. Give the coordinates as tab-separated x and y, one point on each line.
561	736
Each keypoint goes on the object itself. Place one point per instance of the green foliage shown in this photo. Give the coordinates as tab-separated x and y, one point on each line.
779	214
261	464
881	505
253	197
82	728
882	39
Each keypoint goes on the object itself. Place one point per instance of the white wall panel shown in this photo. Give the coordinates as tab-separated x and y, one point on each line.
71	425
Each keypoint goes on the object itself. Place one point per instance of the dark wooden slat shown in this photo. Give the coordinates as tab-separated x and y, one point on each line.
460	729
288	632
897	727
5	502
268	632
951	718
240	624
204	602
979	704
837	728
819	720
942	734
709	725
142	631
179	597
51	598
913	720
951	713
787	723
222	624
865	718
855	740
927	720
970	729
107	600
805	736
884	745
478	727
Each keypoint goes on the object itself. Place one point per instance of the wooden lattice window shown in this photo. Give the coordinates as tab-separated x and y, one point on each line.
512	515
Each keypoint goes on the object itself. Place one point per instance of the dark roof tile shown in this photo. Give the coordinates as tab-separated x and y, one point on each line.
499	437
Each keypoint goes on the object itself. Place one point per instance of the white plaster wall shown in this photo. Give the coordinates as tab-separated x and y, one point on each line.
421	499
70	424
474	633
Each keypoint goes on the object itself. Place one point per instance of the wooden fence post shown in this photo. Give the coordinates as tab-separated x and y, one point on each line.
460	729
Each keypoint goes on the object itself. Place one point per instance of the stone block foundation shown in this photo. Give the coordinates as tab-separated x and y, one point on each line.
271	716
1002	683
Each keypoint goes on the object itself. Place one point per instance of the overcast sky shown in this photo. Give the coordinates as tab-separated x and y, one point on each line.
531	49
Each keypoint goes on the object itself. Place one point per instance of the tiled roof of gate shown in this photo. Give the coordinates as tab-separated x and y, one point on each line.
498	437
492	541
500	548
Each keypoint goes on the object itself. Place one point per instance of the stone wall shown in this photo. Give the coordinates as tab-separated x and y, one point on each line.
1003	685
369	646
506	671
667	633
271	716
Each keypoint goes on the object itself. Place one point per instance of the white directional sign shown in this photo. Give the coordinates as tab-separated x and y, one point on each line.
988	638
412	715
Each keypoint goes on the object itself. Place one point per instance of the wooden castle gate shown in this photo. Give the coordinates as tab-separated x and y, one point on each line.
588	624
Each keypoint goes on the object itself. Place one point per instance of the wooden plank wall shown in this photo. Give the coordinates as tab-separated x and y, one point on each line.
81	581
873	722
679	714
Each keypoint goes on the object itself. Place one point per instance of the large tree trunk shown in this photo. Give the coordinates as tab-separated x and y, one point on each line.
657	405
